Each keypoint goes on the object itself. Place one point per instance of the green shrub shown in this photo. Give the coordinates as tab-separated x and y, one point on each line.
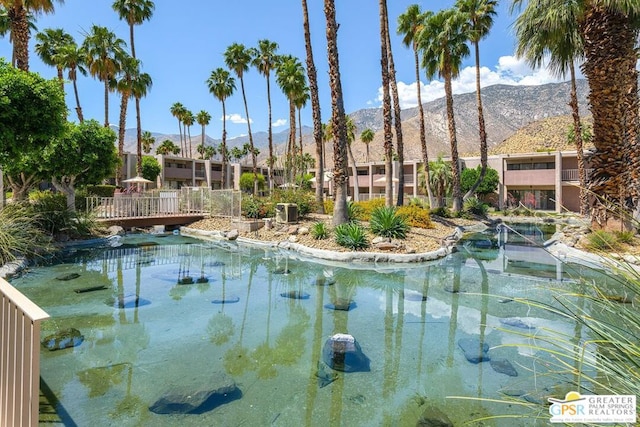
416	216
475	206
328	206
352	236
442	212
417	201
100	190
305	200
253	207
625	236
386	222
319	231
20	234
354	212
246	182
601	240
51	211
365	208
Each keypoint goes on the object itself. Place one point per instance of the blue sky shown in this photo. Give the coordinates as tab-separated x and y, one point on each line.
185	41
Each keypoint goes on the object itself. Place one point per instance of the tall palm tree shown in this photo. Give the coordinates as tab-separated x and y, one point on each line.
238	59
129	69
264	59
315	109
147	141
290	76
479	16
366	137
443	43
386	108
203	118
439	179
73	57
340	173
49	44
103	49
222	86
410	24
167	147
141	85
18	12
300	101
542	33
188	119
395	97
177	111
351	136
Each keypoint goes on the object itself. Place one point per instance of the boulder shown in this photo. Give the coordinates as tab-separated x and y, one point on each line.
62	339
474	351
342	352
293	239
434	417
292	230
303	231
379	239
233	234
115	230
197	399
503	366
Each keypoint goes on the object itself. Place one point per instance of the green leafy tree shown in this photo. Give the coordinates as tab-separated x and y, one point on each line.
84	154
246	182
222	86
470	176
150	168
32	112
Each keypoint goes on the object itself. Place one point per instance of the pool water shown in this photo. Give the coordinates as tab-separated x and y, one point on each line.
169	315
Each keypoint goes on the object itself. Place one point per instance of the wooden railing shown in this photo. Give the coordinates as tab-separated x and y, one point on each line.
19	357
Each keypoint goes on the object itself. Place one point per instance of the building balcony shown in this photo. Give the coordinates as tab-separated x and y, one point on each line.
573	175
531	177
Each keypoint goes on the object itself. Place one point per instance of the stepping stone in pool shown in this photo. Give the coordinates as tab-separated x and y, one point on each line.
187	280
199	398
202	279
325	281
90	289
325	375
281	270
455	289
341	304
215	264
62	339
473	351
67	277
503	366
516	322
343	353
130	301
295	295
414	296
226	300
433	416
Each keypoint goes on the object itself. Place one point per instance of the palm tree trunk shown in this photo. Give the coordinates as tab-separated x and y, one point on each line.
455	163
354	171
270	134
292	141
189	133
386	109
300	134
122	123
20	31
577	126
106	103
224	147
254	161
60	78
182	147
481	128
423	133
315	111
139	138
340	174
78	107
397	120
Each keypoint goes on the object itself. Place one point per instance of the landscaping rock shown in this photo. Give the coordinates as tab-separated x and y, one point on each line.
293	239
473	350
62	339
516	322
233	234
115	230
293	230
303	231
387	246
379	239
214	391
343	353
503	366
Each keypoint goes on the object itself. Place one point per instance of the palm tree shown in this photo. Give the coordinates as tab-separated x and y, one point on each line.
366	137
315	109
340	173
238	58
264	59
147	141
443	43
351	136
19	13
103	49
439	179
397	120
542	33
410	24
222	86
129	69
188	120
386	108
479	16
49	44
141	84
167	147
300	101
290	76
203	118
73	58
177	111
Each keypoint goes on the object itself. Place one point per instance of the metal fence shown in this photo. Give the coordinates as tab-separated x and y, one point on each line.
19	357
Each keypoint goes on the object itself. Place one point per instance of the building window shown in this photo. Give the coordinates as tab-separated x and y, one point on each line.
530	166
533	199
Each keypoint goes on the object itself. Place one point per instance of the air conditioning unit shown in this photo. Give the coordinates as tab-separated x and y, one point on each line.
286	213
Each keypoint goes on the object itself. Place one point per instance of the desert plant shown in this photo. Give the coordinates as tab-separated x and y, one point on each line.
625	236
319	231
416	216
442	212
51	211
352	236
253	207
328	206
600	240
304	199
386	222
475	206
354	212
366	207
20	234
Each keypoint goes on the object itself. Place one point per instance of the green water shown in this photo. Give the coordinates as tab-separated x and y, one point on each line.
175	337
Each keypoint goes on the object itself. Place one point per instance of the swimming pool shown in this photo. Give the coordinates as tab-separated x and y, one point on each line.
226	334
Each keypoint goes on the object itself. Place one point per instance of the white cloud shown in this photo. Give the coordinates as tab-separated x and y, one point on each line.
236	118
279	122
509	71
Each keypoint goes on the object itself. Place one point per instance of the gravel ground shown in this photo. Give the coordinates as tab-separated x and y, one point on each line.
418	240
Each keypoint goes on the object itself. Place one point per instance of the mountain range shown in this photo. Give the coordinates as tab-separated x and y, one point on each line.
507	109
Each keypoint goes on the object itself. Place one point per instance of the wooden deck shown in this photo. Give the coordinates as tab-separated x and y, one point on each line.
149	221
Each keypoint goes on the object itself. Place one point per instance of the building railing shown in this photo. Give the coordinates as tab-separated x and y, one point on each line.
573	174
19	357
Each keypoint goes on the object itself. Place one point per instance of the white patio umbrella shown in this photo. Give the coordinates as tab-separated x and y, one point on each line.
327	177
384	179
137	180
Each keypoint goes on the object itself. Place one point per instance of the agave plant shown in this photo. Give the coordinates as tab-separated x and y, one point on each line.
386	222
351	235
